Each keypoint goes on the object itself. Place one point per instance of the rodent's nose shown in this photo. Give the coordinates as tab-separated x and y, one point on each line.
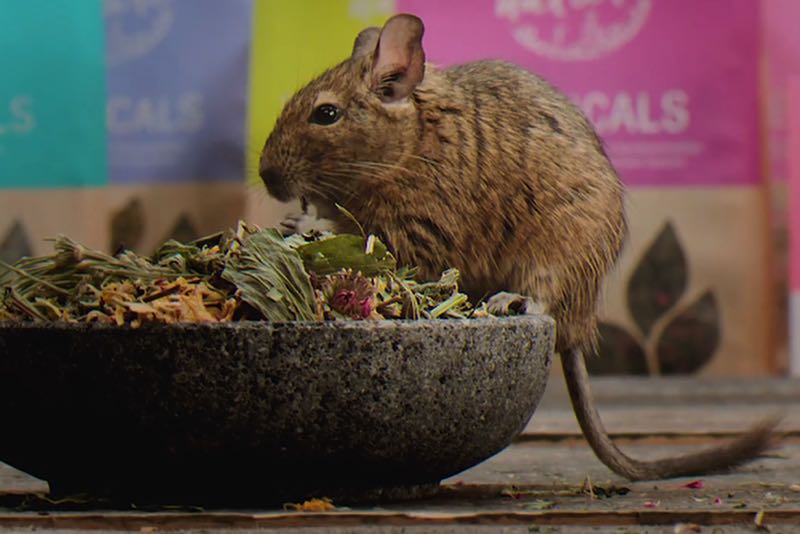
276	183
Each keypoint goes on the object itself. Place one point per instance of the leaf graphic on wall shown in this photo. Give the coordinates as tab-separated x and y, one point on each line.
127	226
183	231
658	281
16	244
688	342
619	353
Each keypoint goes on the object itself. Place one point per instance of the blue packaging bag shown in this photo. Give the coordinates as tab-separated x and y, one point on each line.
177	89
52	94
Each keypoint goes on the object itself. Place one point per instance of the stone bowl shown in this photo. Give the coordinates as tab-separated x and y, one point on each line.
258	413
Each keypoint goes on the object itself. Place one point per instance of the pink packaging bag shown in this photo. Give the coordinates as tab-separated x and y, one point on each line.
670	86
793	167
781	55
780	61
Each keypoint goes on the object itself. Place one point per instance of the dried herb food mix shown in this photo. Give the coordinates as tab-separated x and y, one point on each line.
244	274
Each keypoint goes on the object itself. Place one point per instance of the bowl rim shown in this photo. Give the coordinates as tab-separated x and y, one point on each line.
532	319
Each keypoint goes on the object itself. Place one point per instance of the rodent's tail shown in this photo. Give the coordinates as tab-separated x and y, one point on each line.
744	448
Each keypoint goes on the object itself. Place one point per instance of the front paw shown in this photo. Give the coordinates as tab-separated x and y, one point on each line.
304	224
505	303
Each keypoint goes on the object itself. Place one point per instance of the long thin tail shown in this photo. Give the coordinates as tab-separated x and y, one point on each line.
743	449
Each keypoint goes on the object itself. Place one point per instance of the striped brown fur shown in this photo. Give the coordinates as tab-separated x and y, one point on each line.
484	167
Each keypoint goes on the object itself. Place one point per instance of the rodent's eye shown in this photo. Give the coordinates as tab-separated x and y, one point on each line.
326	114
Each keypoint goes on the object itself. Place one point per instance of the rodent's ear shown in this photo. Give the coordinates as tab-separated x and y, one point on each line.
399	61
366	42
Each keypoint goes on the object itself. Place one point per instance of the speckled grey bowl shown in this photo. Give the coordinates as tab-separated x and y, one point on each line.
260	412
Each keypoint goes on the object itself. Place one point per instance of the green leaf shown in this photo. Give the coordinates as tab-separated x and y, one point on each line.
658	281
690	339
454	302
345	251
271	277
619	353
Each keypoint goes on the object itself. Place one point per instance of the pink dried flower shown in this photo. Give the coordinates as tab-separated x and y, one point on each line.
349	294
344	299
366	308
696	484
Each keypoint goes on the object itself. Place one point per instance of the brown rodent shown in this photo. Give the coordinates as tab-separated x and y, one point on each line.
484	167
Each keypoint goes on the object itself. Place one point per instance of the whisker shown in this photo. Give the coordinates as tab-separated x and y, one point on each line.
348	187
352	182
345	180
361	172
338	174
331	190
321	190
364	165
379	165
424	159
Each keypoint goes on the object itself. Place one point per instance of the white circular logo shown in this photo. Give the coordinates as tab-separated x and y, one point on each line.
573	30
135	27
367	11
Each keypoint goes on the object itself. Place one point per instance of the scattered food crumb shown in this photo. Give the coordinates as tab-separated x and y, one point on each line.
774	499
651	504
587	487
539	504
512	492
759	519
598	492
314	505
682	528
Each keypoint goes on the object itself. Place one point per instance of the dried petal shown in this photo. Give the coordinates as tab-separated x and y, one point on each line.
349	294
140	307
313	505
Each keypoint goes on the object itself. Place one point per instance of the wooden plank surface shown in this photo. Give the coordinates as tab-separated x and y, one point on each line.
689	390
568	464
541	480
699	420
640	407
